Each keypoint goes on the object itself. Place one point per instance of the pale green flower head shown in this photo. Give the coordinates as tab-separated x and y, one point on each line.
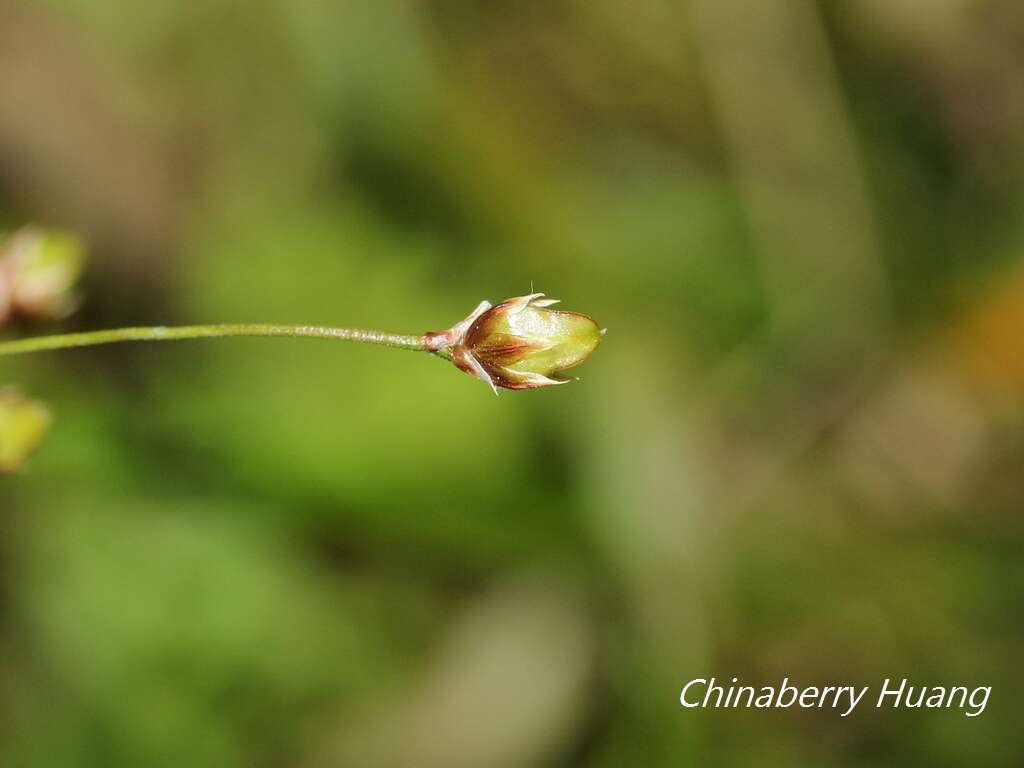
522	343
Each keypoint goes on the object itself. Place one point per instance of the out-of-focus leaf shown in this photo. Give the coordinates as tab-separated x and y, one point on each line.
987	346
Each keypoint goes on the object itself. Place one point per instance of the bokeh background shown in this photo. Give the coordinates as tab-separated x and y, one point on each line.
798	452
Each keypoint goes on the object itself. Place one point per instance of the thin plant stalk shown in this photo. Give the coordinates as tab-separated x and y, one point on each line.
180	333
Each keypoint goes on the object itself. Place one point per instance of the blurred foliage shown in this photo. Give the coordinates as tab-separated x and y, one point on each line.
797	452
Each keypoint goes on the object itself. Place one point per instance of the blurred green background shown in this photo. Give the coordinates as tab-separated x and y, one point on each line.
798	452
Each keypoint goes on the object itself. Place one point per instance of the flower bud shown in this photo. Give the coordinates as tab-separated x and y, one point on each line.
38	270
519	344
23	424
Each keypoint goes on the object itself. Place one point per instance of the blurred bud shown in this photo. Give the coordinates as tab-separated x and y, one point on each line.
519	344
23	424
38	269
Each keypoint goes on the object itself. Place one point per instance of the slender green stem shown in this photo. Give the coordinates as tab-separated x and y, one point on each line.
93	338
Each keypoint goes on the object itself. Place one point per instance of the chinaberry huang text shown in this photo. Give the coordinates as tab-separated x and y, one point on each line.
709	693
